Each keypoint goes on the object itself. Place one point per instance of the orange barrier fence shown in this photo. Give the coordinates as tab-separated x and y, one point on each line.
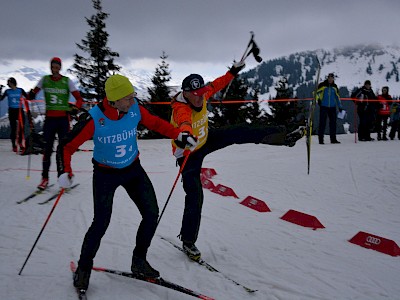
235	101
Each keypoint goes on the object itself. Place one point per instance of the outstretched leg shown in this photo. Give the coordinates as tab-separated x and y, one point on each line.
245	134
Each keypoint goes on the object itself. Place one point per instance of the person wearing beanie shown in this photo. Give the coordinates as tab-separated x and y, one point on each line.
113	126
328	100
366	110
57	89
383	114
189	114
15	112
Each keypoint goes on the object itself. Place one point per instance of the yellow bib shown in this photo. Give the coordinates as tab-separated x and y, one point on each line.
199	127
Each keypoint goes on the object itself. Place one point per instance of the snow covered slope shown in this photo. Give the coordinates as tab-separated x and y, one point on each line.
351	188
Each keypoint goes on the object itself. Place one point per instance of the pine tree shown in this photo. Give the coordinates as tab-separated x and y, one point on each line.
280	109
254	113
232	113
93	71
287	113
216	117
159	92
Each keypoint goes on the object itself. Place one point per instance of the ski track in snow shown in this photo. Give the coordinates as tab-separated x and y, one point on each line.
352	187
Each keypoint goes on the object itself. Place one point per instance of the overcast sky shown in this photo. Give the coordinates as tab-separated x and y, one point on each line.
197	35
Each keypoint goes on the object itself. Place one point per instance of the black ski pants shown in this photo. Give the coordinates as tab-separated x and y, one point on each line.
327	112
382	125
137	184
366	116
217	139
13	117
52	126
395	127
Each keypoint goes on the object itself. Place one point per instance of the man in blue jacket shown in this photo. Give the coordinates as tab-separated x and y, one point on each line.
328	99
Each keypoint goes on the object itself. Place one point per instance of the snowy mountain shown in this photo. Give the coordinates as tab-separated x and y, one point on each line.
27	78
352	65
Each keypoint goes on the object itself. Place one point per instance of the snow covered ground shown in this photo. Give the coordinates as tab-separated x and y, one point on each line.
352	187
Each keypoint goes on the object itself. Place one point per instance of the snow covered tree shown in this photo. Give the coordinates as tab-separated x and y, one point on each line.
93	71
254	113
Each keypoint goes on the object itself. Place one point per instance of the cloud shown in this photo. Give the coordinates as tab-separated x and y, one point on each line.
210	32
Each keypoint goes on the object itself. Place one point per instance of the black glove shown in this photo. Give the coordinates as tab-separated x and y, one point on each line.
319	102
237	67
74	110
340	109
31	95
186	140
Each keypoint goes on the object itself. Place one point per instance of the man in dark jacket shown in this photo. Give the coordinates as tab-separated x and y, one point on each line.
366	110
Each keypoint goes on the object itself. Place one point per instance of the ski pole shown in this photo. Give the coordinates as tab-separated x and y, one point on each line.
244	56
251	48
355	121
41	231
30	140
173	187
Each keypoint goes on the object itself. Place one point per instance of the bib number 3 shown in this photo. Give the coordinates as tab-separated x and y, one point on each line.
121	150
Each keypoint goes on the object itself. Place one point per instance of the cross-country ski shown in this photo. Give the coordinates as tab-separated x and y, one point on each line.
160	147
310	119
209	267
34	194
54	196
158	281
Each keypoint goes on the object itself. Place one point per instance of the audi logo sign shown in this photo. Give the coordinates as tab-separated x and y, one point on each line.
373	240
377	243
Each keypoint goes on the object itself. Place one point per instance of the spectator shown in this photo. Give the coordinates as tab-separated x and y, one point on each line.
383	114
395	120
328	99
366	110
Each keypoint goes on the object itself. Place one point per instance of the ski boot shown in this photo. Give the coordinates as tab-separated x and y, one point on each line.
81	278
191	251
141	267
292	137
43	184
